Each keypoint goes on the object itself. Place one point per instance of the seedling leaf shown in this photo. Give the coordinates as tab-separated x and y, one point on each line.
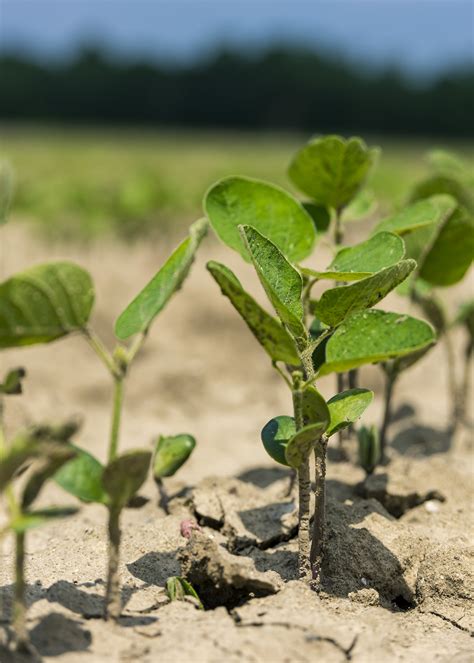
369	337
331	170
418	215
267	330
362	205
54	456
124	476
300	445
22	448
357	262
171	453
234	201
315	409
44	303
452	251
178	587
12	384
338	303
275	436
444	184
369	448
281	281
346	407
82	477
141	312
31	519
321	216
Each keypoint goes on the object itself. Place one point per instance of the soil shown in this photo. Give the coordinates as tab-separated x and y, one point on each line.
398	571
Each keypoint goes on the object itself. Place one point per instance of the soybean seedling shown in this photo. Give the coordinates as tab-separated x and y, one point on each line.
369	448
42	450
333	172
311	338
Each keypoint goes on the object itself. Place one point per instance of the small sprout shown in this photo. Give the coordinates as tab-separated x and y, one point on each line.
170	454
12	384
178	588
369	448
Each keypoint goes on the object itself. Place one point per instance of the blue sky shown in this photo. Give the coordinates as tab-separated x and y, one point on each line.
421	36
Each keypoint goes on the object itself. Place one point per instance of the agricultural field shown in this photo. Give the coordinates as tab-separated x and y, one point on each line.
248	455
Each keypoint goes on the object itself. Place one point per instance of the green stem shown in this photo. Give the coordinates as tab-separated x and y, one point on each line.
452	383
390	380
113	601
116	418
102	352
19	601
319	521
465	393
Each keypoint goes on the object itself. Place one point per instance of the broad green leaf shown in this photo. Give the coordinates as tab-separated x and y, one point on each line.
31	519
54	456
338	303
141	312
281	281
363	205
6	190
267	330
236	201
275	436
447	185
12	384
332	170
178	587
345	408
171	453
369	337
82	477
44	303
321	216
357	262
124	476
315	409
300	445
418	215
452	251
447	163
370	452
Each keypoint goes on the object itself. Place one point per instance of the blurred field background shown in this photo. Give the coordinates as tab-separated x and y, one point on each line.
83	184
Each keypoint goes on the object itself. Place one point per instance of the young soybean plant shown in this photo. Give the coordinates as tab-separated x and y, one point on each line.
271	229
439	234
50	301
41	450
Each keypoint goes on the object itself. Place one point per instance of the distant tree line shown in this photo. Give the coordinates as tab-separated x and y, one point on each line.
284	88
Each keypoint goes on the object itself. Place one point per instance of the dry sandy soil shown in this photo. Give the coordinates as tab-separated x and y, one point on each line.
398	570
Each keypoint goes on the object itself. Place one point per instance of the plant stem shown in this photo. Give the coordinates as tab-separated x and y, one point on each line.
352	379
304	489
452	383
465	392
387	414
19	604
116	418
319	521
113	601
102	352
164	497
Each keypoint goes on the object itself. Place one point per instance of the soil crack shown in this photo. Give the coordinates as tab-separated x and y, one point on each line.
453	622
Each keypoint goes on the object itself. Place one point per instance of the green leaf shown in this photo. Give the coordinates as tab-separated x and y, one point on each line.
281	281
332	170
363	205
6	190
452	251
357	262
447	163
315	409
12	384
275	436
369	337
321	216
125	475
447	185
31	519
54	457
44	303
269	332
171	453
346	407
82	477
178	587
300	445
141	312
236	201
338	303
418	215
22	448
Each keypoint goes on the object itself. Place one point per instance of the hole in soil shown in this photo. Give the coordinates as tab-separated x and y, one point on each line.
402	604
